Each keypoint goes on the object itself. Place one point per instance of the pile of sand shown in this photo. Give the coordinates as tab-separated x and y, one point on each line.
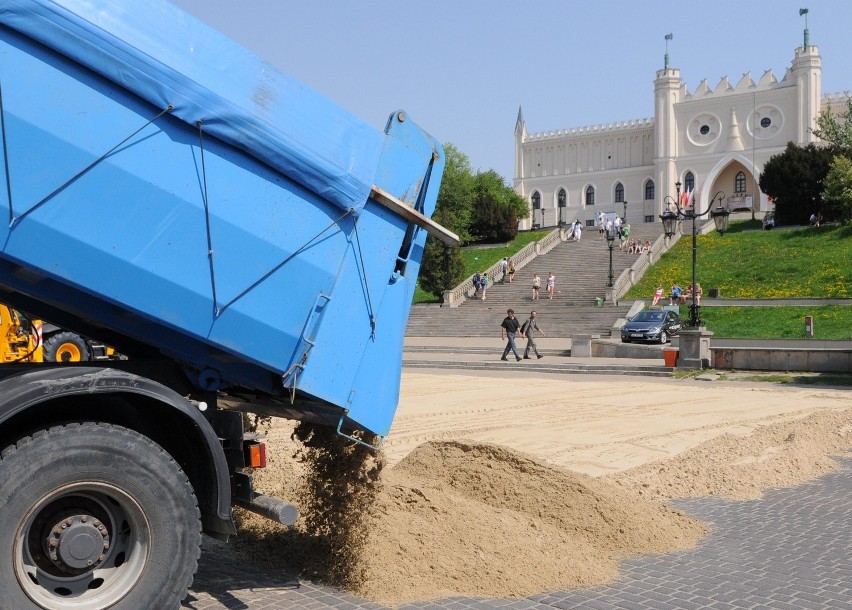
462	517
470	519
742	467
459	518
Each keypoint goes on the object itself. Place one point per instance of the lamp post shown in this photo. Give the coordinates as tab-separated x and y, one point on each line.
670	220
610	238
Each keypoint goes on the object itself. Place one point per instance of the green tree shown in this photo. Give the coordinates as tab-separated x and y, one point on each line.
474	206
794	180
836	128
442	266
456	195
838	189
497	208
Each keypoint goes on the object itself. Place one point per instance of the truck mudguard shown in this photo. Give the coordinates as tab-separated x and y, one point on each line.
31	388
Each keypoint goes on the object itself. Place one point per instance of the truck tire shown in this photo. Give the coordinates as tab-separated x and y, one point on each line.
66	346
96	516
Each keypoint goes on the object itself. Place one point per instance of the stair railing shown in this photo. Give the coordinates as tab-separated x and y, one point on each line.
631	276
465	290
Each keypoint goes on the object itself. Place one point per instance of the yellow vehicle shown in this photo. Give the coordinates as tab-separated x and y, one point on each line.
21	337
26	340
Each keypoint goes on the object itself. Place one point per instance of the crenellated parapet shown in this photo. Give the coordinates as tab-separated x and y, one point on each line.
601	129
746	84
835	101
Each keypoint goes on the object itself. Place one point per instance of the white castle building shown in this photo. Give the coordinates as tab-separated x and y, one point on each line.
709	140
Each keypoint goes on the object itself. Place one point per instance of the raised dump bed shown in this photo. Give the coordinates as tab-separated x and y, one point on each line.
173	195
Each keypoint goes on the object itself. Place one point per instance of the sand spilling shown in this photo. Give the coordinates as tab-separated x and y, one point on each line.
490	494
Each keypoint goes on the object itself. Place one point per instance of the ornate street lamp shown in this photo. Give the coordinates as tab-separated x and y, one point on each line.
670	219
611	235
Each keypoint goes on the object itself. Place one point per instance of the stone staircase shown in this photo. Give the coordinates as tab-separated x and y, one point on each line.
581	270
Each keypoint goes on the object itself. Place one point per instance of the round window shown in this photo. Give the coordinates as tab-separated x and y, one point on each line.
765	122
705	129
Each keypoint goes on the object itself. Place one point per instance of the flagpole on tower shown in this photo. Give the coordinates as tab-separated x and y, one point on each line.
804	11
669	37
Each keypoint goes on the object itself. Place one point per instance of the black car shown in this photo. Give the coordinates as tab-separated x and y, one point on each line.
651	325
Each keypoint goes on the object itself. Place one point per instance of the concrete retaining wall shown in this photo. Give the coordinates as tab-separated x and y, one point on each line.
782	359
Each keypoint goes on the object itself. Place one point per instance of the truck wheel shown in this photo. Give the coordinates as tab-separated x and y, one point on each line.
66	347
96	516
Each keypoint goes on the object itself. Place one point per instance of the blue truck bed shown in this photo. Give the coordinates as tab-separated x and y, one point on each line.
166	189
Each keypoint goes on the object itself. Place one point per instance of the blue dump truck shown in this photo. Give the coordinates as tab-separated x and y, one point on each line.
244	241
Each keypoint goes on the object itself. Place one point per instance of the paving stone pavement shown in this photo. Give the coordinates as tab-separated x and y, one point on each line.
790	550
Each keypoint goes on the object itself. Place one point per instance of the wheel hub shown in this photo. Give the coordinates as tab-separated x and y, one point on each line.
78	542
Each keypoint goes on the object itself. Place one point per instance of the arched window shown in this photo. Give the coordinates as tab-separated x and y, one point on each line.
590	195
536	200
739	183
619	192
649	189
689	182
562	198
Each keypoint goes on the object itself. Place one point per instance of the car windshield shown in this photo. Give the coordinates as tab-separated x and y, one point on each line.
648	316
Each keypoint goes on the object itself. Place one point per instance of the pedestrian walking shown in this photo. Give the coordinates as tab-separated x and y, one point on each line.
511	270
530	329
551	285
477	282
510	327
504	268
483	285
536	286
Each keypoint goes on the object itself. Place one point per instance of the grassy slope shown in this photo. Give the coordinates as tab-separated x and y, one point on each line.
744	264
792	263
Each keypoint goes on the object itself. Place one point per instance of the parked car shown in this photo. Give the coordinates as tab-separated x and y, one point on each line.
769	220
651	325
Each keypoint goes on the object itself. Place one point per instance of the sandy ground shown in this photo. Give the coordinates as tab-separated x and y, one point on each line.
507	485
592	424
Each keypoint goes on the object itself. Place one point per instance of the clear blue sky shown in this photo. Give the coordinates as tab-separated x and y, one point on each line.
462	68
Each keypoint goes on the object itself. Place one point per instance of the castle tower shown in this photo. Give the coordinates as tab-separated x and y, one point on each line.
807	71
668	90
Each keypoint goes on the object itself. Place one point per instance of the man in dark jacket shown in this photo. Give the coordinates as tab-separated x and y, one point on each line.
510	327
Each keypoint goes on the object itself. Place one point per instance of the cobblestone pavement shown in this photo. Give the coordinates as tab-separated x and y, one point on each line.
790	550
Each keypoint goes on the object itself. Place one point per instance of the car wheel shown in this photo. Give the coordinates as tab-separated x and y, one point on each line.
664	338
623	340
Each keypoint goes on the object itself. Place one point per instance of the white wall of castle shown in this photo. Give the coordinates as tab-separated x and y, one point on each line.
714	133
